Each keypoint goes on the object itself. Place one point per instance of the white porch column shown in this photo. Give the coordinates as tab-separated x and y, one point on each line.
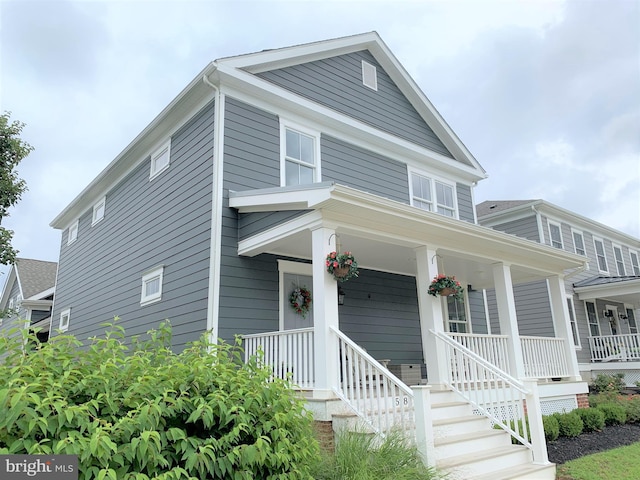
562	323
508	318
430	310
325	314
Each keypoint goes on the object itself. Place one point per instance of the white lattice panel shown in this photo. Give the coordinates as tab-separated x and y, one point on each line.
558	405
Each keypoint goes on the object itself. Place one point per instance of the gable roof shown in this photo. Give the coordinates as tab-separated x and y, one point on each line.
36	279
237	73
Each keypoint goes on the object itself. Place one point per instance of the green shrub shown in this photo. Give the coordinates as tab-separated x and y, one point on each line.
518	428
614	414
608	383
551	428
631	405
570	424
141	411
592	419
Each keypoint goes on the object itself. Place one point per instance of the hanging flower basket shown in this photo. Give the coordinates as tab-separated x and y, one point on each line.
342	266
445	286
300	300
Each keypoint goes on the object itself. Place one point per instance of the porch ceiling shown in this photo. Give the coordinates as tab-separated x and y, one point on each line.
383	235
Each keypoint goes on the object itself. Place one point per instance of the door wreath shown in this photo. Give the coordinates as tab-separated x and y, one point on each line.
300	300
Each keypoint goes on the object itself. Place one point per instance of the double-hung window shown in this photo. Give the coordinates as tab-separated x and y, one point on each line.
635	264
300	155
592	317
617	255
555	235
574	323
600	256
578	243
432	195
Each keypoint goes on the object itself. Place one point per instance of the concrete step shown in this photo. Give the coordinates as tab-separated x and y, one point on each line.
452	445
468	465
522	472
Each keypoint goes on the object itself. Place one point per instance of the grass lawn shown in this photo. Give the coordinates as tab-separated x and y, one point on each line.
618	464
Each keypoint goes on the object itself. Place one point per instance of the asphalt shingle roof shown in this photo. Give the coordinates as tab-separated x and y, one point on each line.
35	275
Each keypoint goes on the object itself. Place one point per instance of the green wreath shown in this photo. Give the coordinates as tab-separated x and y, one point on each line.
300	300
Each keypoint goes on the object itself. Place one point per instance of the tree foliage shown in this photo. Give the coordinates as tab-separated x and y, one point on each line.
139	412
12	151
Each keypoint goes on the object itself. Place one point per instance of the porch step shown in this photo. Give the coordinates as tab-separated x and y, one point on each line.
450	410
452	445
484	462
522	472
460	425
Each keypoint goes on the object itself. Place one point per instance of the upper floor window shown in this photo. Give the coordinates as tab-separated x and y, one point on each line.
98	211
555	235
72	235
160	159
152	286
635	265
617	255
600	256
433	195
300	156
578	243
369	75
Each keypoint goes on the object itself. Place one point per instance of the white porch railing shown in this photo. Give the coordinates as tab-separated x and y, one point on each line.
377	396
496	395
493	348
607	348
544	357
289	352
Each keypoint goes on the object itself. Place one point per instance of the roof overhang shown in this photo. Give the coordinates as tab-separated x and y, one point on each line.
37	304
627	291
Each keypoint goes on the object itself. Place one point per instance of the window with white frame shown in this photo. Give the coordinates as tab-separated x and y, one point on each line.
72	234
65	317
617	255
592	318
11	303
457	315
300	154
578	243
98	211
600	256
369	75
631	318
555	235
635	264
160	159
432	195
152	286
574	323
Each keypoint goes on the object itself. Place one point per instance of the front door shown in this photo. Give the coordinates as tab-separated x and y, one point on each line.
611	314
293	319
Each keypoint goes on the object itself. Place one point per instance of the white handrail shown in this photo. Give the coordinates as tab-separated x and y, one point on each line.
495	394
607	348
493	348
377	396
544	357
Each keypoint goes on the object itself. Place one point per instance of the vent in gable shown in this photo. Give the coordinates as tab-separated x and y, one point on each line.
369	75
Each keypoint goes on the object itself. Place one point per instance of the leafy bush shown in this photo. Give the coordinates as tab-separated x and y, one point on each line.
140	412
592	419
614	414
517	427
551	428
631	405
570	424
608	383
360	456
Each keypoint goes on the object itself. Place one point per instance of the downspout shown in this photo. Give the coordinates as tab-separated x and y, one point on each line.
213	301
539	222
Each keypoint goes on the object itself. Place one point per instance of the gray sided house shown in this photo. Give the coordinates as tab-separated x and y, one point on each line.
27	296
603	298
232	198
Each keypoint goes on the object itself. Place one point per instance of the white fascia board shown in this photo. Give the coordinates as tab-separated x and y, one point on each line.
41	295
285	198
189	101
628	287
8	285
276	100
37	304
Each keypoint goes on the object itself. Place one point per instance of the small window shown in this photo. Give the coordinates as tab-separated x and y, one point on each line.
369	75
555	235
72	236
11	303
617	254
152	286
631	318
602	259
160	160
574	324
422	195
635	265
578	243
592	317
98	211
65	316
300	156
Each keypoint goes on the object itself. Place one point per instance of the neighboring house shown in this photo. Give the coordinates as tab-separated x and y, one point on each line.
603	299
28	296
234	195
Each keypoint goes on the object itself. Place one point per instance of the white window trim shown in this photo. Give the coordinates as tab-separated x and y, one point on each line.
64	326
295	268
433	179
369	70
604	252
289	125
615	259
634	265
96	208
156	272
72	228
595	310
153	172
575	232
559	225
577	343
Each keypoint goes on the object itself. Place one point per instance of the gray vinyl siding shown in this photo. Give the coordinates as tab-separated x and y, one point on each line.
477	312
14	320
363	169
336	83
166	221
465	203
533	309
523	227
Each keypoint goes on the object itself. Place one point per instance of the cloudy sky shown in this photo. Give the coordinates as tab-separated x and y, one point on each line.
545	94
